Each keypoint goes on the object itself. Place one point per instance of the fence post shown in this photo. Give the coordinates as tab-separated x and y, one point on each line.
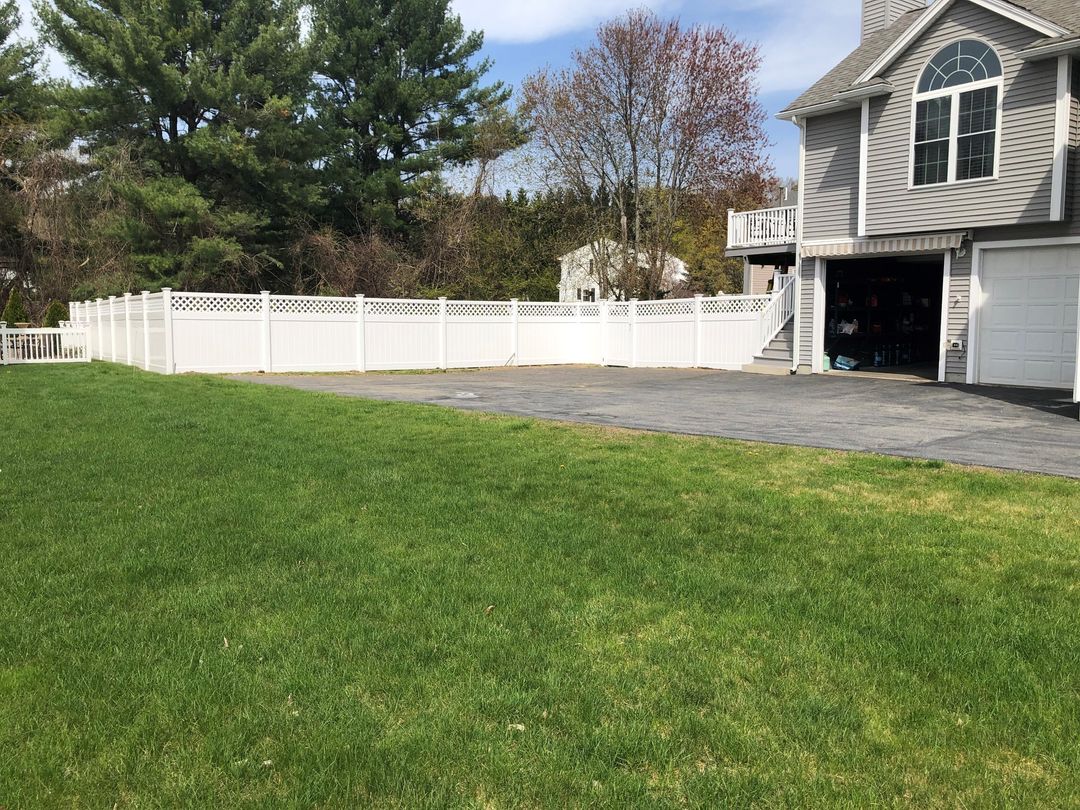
605	313
633	332
442	332
731	227
361	334
112	328
3	343
697	330
166	302
267	360
100	329
514	337
146	330
127	328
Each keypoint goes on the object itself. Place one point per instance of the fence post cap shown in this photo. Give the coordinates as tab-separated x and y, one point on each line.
359	295
111	297
699	295
513	300
442	297
127	295
264	292
166	289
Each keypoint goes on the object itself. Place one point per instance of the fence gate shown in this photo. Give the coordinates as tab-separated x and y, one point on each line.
66	344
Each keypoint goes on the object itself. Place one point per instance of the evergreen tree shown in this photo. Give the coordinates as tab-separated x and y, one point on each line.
14	310
210	95
55	313
398	97
18	66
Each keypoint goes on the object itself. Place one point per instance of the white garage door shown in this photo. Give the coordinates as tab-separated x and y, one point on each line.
1027	326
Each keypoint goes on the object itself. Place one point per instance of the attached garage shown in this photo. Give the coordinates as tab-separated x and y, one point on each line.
1027	318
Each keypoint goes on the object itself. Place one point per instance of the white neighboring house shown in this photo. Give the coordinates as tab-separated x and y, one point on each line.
580	279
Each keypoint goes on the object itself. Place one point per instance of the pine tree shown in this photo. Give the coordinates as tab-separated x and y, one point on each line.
398	97
210	96
18	66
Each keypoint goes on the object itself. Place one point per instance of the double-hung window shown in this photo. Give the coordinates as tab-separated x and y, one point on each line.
957	116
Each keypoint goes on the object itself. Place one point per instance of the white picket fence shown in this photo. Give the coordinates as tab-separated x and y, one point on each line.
175	332
64	344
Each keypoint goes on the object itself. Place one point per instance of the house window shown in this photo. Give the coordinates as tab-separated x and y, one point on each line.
957	116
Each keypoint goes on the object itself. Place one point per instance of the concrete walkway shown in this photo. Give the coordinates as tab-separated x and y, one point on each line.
1019	429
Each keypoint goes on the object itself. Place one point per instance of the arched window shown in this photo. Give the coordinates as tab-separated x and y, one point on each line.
957	115
962	62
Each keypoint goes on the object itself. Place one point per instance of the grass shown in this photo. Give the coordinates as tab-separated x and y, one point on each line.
226	595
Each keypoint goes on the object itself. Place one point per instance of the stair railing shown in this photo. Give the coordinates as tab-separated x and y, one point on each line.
779	311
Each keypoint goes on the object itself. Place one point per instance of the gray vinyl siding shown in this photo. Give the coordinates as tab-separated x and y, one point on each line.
1021	195
878	14
873	16
959	308
831	198
806	315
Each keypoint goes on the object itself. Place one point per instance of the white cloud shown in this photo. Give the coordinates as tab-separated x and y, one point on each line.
519	21
805	40
800	39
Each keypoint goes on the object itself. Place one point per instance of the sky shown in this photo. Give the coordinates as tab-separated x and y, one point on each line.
800	40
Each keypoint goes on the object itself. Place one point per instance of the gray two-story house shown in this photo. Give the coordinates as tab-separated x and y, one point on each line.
938	222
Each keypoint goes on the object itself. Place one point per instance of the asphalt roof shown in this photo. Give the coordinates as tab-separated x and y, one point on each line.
1065	13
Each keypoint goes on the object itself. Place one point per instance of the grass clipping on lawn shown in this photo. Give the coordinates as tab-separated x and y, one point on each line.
218	594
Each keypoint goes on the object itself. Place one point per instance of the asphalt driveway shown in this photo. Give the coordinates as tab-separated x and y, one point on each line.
1020	429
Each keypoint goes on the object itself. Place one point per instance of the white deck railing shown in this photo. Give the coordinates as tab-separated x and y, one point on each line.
780	310
766	228
66	344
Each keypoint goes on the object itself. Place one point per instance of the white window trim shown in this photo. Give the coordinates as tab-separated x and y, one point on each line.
864	165
954	93
817	362
1062	133
943	336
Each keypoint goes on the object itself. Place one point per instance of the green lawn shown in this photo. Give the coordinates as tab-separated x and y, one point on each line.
222	595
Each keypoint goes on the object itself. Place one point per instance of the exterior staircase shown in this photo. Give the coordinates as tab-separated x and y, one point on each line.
778	356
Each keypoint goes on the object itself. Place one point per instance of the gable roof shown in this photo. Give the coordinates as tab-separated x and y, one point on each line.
865	64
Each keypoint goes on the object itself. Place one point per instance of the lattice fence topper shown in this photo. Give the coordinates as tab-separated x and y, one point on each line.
392	307
656	308
477	309
590	311
618	310
548	309
193	302
311	305
735	305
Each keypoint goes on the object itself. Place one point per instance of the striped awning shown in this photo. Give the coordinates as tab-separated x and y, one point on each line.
926	243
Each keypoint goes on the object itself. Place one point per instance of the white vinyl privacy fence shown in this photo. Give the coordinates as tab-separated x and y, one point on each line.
174	332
